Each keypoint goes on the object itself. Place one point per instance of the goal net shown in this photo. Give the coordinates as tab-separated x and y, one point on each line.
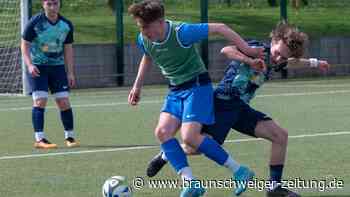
10	55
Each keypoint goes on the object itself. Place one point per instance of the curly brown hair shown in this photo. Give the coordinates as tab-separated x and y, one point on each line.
148	10
295	40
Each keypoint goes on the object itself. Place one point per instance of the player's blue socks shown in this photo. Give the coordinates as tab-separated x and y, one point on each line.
67	119
38	119
213	151
276	173
174	153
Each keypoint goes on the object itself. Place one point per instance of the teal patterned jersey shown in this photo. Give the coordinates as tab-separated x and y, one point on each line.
242	80
48	39
248	81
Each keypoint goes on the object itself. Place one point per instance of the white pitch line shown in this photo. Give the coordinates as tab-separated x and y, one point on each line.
157	146
77	152
82	105
297	85
305	93
160	101
294	136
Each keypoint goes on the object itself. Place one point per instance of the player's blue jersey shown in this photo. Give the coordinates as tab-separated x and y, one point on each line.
48	39
242	80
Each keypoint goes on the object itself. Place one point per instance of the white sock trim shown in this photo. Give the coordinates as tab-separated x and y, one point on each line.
164	157
186	173
232	164
68	134
39	136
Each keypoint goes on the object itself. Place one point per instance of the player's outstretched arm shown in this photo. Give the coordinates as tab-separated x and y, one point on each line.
233	53
235	39
135	92
312	62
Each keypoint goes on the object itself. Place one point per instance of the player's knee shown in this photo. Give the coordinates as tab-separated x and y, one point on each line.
282	136
191	139
40	103
63	104
189	150
188	141
163	134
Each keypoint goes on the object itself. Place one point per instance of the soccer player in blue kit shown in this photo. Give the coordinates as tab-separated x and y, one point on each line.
170	46
47	47
242	78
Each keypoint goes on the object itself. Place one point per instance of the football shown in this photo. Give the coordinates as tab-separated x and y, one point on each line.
116	186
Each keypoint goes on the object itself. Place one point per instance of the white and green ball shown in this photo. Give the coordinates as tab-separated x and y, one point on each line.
116	186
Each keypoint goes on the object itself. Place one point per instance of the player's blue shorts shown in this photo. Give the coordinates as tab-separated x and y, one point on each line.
194	104
233	114
53	78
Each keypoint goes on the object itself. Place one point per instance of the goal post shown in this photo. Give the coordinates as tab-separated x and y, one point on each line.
25	13
14	16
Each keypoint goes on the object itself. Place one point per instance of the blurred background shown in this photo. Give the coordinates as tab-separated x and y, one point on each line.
99	62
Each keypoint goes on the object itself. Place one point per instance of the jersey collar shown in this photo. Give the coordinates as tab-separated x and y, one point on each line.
168	33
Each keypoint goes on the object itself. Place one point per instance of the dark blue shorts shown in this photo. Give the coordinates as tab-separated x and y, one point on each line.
233	114
53	78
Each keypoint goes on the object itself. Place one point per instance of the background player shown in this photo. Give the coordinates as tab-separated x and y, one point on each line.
47	47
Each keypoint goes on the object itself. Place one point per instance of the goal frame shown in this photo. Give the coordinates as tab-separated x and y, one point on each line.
25	13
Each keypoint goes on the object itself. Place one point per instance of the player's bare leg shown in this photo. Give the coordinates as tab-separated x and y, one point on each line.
278	136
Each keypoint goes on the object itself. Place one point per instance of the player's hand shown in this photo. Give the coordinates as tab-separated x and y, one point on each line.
258	64
134	96
232	52
323	66
71	80
257	52
34	71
